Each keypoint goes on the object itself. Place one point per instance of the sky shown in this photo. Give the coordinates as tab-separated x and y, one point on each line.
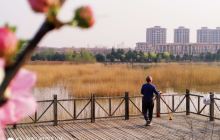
119	23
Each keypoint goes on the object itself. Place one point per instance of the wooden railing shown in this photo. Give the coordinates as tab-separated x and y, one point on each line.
125	102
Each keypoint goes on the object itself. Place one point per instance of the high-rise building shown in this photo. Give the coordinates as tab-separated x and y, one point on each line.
211	36
204	35
156	35
181	35
215	35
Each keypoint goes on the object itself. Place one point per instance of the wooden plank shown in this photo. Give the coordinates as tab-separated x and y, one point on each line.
105	131
9	133
67	135
77	131
26	132
6	133
181	127
114	131
34	130
88	132
14	135
33	133
19	133
44	133
128	129
97	131
59	133
155	131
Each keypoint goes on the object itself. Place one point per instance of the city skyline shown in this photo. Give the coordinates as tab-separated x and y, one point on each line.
118	22
158	35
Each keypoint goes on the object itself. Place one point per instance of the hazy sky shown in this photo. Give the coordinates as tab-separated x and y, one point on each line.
117	21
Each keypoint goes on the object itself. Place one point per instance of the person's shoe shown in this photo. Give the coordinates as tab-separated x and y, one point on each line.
147	123
150	123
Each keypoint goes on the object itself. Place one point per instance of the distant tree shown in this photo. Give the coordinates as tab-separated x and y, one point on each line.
172	57
141	57
146	56
178	58
100	57
110	57
69	56
218	55
119	55
166	56
159	57
152	56
84	56
129	56
209	56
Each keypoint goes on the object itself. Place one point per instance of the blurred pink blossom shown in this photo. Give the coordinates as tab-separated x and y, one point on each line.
84	17
8	43
42	6
20	102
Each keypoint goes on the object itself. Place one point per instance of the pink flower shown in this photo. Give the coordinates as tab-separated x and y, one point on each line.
20	102
42	6
8	43
84	17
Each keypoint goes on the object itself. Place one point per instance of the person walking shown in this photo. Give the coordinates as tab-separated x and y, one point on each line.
148	90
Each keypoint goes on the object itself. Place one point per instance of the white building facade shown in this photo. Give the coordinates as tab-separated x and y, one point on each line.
206	35
194	49
181	35
156	35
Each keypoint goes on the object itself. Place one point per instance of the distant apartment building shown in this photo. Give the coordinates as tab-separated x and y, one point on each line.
206	35
180	49
181	35
190	49
208	40
216	35
142	46
156	35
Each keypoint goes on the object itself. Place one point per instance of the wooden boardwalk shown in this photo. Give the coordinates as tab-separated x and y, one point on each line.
181	127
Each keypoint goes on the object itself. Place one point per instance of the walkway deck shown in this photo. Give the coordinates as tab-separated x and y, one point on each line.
181	127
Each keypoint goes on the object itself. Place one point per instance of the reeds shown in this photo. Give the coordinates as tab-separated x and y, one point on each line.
108	80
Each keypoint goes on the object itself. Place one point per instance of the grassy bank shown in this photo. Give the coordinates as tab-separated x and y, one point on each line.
83	79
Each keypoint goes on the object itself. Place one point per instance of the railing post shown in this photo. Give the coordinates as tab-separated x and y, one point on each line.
92	108
15	126
74	109
173	103
126	106
110	106
55	109
187	102
198	104
158	105
211	107
35	117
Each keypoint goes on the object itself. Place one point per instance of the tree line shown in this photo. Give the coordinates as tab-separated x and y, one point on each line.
51	55
119	55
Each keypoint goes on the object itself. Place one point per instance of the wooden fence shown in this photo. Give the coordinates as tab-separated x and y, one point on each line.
126	102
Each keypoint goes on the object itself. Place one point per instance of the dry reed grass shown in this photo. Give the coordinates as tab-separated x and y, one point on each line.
107	80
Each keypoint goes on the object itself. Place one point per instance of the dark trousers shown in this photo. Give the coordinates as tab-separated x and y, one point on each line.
147	109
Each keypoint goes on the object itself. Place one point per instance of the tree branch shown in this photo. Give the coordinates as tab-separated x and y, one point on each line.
12	70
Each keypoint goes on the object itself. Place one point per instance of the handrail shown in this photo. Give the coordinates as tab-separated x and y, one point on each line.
109	112
195	95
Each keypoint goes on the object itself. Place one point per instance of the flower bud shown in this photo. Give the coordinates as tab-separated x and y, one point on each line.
8	44
43	6
84	17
